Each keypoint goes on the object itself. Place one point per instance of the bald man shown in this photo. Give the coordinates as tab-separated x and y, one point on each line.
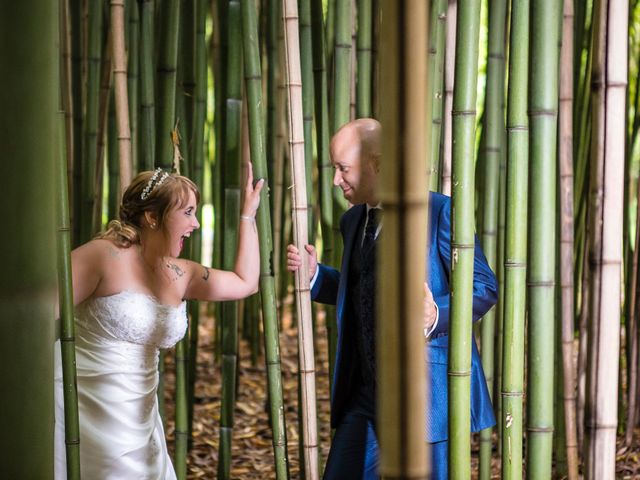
355	154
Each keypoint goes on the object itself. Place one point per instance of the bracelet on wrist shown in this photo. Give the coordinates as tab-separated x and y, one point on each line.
248	218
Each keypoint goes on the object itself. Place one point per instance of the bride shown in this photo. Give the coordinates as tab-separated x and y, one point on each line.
129	288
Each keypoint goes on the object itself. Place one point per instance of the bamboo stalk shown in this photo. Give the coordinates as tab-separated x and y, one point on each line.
113	169
515	253
167	78
364	43
253	81
29	142
449	73
437	32
404	102
493	129
543	107
462	236
566	240
232	194
133	77
77	87
122	100
608	139
300	233
147	103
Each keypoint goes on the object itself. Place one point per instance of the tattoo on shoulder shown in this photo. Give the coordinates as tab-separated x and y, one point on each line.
113	251
176	269
205	275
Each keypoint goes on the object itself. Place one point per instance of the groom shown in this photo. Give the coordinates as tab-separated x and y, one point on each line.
355	154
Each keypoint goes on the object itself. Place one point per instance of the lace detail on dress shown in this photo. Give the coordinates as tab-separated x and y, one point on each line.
134	317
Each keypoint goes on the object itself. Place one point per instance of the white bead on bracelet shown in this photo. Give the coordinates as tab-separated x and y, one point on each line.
248	218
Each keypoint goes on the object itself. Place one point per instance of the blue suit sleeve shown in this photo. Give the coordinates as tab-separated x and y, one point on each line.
485	285
325	289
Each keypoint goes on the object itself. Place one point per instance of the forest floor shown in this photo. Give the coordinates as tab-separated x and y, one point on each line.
252	449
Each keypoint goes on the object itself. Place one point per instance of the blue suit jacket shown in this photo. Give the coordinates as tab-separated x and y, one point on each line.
331	286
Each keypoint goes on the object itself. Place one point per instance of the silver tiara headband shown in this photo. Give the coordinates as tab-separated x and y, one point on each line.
154	182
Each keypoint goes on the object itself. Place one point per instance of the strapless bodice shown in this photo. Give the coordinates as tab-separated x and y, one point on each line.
133	317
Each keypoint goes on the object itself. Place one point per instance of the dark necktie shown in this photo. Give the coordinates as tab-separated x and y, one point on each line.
373	220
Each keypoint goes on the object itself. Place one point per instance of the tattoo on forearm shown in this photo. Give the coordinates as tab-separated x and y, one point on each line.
205	275
176	269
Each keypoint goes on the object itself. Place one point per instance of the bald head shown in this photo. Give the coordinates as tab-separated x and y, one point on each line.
355	154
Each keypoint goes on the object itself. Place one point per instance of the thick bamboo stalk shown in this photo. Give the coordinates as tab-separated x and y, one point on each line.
493	129
29	141
147	102
608	139
300	233
232	194
566	240
167	79
182	415
122	100
449	73
543	105
515	253
437	32
462	236
400	348
364	69
253	81
342	64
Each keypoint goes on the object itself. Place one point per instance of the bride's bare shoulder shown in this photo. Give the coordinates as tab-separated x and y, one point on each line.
102	249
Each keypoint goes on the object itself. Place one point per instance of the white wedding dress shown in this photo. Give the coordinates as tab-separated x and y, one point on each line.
117	342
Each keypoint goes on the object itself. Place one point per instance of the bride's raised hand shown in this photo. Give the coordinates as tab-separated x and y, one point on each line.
251	194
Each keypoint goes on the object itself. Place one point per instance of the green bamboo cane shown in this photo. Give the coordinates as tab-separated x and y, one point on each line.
147	81
515	259
462	237
30	131
364	43
449	74
437	28
167	78
341	103
90	125
133	76
273	57
543	107
230	235
75	183
67	327
330	35
182	416
306	65
325	168
493	152
197	172
253	81
186	62
113	167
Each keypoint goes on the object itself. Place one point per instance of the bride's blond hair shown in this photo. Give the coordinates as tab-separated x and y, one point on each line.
155	192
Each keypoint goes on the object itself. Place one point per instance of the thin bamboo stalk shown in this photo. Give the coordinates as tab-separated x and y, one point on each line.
167	78
449	74
232	194
122	100
67	85
67	327
608	139
325	168
77	88
90	124
493	130
566	240
133	77
543	107
253	81
147	102
364	70
113	170
462	236
405	108
437	31
300	233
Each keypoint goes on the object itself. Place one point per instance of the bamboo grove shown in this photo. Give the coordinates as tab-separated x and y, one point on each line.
526	112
